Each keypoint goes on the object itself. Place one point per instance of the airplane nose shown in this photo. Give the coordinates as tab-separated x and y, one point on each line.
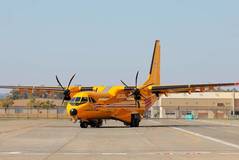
73	112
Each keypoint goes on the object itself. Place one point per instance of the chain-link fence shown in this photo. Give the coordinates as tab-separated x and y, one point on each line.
27	112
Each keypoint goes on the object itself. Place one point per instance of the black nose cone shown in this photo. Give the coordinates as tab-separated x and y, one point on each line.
73	112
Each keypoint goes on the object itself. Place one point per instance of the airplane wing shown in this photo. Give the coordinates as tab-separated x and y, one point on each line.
32	88
189	88
46	88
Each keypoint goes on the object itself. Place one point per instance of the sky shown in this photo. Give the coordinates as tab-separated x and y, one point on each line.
106	41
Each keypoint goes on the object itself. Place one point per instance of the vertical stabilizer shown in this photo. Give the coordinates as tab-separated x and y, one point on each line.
154	73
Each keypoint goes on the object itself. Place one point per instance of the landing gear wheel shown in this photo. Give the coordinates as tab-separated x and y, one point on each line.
83	124
126	124
99	123
135	119
96	123
93	123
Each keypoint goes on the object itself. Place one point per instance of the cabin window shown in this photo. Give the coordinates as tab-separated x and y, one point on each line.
92	100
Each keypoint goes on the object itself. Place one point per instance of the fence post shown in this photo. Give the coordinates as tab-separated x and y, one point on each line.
28	112
56	112
46	113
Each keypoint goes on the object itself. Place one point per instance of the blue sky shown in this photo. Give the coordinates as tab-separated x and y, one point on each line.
105	41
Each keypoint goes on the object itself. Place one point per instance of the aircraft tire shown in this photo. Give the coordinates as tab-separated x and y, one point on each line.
93	123
99	123
83	124
135	119
126	124
96	123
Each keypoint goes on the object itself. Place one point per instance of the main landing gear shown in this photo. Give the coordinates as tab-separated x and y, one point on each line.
96	123
135	119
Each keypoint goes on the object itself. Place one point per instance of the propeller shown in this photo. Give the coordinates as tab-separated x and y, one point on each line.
136	91
66	92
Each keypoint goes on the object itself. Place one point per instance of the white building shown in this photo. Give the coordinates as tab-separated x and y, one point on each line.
200	105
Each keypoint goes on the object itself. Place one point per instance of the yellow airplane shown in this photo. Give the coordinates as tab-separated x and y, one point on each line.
91	105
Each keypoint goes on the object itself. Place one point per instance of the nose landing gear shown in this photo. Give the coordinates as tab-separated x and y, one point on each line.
135	119
84	124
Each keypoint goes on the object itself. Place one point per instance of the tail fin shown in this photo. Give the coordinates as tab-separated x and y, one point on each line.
154	74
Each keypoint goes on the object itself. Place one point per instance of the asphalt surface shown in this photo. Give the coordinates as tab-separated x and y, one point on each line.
154	139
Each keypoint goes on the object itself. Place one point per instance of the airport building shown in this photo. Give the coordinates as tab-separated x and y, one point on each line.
206	105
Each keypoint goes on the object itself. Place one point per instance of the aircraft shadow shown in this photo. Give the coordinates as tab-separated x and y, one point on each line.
164	126
142	126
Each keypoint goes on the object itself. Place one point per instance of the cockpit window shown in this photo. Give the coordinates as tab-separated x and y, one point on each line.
72	101
84	100
76	101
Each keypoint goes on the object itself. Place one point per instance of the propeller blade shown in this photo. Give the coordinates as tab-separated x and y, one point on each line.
66	92
59	83
136	79
63	101
70	81
124	84
136	91
138	104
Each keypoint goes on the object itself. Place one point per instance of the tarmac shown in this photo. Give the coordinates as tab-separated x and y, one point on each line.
22	139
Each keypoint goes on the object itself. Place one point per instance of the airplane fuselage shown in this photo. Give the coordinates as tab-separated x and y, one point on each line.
90	106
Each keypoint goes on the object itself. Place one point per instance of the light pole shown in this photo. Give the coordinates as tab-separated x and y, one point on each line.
234	103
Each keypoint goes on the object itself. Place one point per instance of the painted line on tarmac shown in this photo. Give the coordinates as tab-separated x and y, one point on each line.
23	153
11	153
118	153
107	153
207	137
229	153
75	153
174	153
114	154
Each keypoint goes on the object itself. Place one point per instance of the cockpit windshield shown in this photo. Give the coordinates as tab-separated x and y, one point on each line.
76	101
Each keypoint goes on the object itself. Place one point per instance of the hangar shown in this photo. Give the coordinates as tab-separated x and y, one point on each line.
210	105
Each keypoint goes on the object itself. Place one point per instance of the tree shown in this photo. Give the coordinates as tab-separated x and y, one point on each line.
7	102
41	104
32	102
15	94
47	104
